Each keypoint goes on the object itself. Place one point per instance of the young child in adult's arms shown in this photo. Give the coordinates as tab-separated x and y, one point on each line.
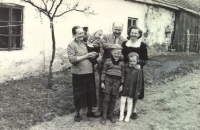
112	79
132	85
94	43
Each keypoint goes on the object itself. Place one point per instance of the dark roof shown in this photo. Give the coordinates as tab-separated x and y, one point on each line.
193	5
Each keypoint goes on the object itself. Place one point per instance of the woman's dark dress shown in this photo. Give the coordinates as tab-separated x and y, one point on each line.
143	58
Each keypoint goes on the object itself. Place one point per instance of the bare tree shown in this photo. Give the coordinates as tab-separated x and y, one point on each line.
50	9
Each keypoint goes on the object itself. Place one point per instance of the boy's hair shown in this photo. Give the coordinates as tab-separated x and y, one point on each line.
133	54
115	50
116	47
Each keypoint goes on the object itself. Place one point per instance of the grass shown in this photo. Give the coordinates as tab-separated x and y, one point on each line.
172	69
26	102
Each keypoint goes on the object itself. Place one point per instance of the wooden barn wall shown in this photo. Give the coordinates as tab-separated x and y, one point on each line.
183	22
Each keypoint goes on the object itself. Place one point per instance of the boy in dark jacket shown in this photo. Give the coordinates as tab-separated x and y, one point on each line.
112	79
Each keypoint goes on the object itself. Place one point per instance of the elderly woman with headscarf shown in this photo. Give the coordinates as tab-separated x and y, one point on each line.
82	73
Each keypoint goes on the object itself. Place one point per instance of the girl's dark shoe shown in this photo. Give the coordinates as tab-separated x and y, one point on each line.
134	116
77	118
92	115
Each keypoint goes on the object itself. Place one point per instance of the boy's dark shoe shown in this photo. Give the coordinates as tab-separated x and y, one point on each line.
77	118
103	121
134	116
112	118
101	114
92	115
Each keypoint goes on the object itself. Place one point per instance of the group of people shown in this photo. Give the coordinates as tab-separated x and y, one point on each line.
120	70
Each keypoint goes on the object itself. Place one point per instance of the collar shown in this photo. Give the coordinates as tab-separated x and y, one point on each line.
115	62
137	44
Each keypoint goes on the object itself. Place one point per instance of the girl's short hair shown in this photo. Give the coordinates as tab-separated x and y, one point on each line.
74	30
133	54
134	27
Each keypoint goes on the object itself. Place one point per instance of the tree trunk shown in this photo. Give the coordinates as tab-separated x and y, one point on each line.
50	77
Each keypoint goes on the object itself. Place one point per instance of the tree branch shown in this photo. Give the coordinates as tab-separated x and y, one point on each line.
53	2
57	8
74	9
45	5
48	12
63	13
37	7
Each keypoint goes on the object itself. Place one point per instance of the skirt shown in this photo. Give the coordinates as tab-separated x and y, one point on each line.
84	90
141	95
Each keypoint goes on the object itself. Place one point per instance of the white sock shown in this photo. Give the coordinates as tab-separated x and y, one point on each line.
122	106
129	109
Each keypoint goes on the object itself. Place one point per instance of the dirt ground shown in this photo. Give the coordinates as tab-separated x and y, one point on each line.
173	105
171	99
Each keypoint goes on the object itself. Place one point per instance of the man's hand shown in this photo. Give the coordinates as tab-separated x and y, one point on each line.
103	86
120	88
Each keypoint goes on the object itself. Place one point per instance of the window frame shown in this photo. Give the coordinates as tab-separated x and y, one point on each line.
132	19
11	7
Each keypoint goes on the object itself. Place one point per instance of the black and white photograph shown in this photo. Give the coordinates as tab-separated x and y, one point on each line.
99	65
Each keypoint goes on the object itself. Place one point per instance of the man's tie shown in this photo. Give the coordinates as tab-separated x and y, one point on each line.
115	41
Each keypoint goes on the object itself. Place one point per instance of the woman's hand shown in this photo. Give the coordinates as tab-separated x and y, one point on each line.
120	88
103	86
92	55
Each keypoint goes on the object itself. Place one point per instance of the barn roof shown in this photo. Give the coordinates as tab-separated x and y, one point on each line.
192	6
188	4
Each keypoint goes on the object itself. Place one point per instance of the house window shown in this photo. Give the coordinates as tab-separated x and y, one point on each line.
11	26
131	22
